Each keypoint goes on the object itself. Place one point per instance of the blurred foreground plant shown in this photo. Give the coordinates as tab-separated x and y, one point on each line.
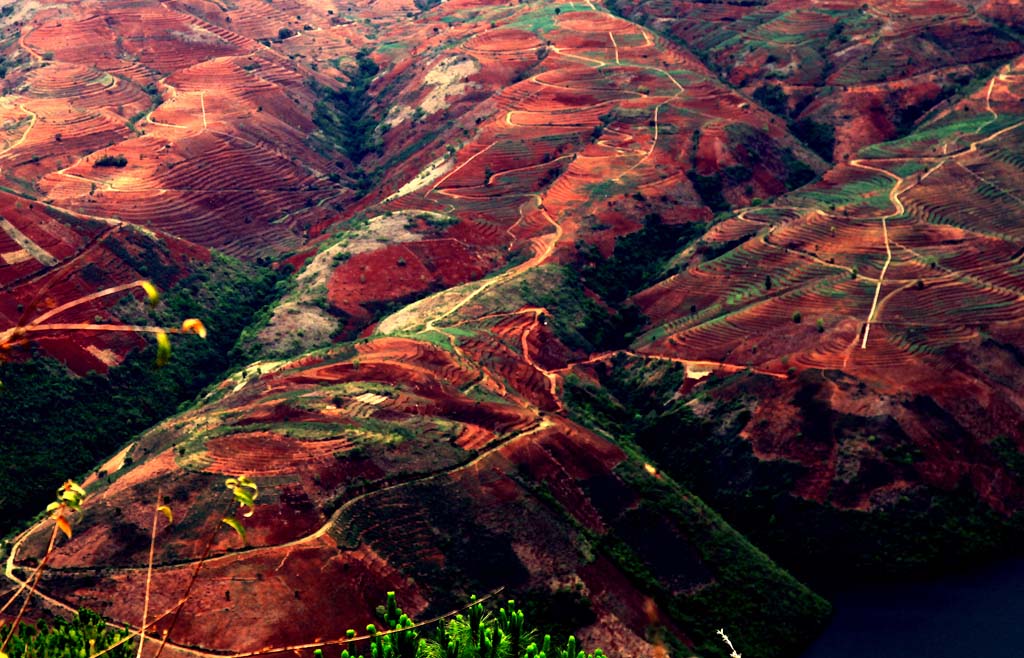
469	632
82	636
48	322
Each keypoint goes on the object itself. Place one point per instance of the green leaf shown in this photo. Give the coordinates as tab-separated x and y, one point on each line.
72	486
235	525
243	498
244	491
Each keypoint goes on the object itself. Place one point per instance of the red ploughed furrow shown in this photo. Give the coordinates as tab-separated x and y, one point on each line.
535	456
829	354
767	318
565	191
474	437
708	342
51	236
881	352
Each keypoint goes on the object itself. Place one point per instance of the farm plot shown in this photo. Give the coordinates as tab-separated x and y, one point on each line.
959	197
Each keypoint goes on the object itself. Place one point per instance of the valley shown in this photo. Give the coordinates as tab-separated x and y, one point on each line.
662	316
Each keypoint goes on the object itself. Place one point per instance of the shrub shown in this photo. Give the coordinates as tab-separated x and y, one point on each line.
473	634
111	161
69	638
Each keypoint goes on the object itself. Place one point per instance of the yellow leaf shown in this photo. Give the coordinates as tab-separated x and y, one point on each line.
151	292
163	348
167	512
64	526
72	500
71	486
194	326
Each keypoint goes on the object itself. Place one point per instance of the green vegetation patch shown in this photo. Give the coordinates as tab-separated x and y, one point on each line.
345	119
923	530
98	413
722	576
953	130
543	19
853	193
110	161
82	635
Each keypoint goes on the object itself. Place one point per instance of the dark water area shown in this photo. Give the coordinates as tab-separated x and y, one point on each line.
980	613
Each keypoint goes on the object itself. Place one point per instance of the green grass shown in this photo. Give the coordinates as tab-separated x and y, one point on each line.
865	191
906	169
935	135
542	20
435	337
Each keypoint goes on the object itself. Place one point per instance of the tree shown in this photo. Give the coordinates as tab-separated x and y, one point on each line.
111	161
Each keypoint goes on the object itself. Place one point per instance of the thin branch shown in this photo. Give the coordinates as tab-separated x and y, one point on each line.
149	573
28	597
188	588
106	292
725	638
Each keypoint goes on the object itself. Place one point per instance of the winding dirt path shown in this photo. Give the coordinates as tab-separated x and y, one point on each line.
894	198
898	188
546	244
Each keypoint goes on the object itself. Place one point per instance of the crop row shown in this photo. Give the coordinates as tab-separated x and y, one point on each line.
224	79
957	203
244	165
267	454
474	437
505	43
956	302
201	217
508	366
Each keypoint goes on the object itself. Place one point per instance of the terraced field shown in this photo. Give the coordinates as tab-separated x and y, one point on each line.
364	438
189	104
869	70
559	281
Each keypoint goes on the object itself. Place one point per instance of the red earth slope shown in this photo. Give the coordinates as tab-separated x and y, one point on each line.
831	366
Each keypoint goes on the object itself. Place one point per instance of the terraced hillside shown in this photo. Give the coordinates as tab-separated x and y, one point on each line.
846	74
186	103
581	307
400	464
